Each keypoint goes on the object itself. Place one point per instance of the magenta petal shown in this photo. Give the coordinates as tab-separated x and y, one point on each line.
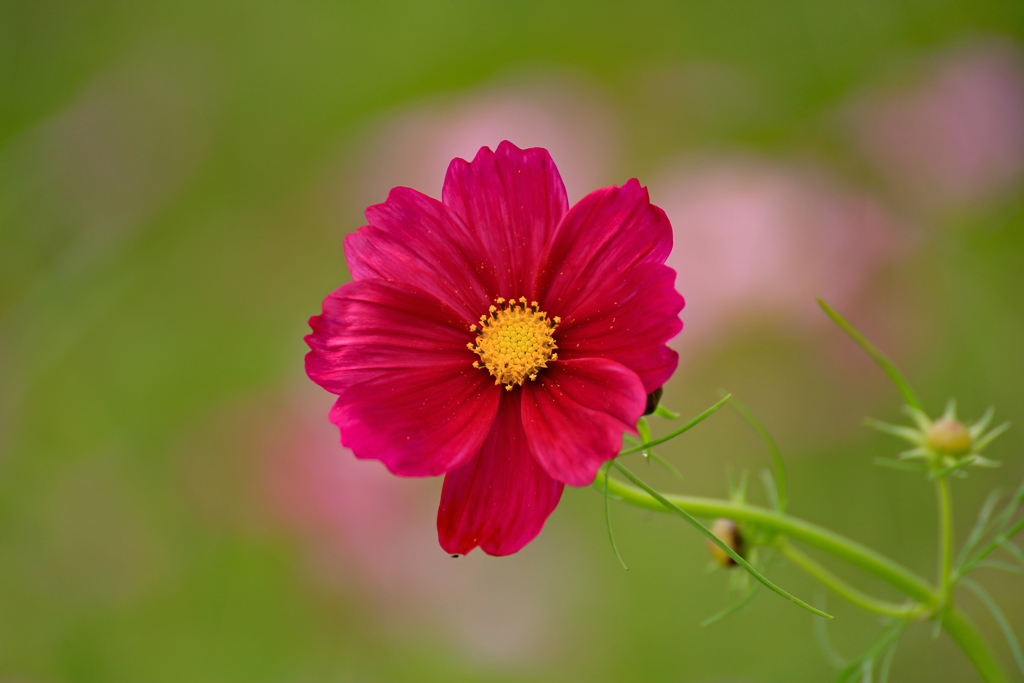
418	241
604	235
629	324
512	200
575	413
420	421
500	499
374	326
409	395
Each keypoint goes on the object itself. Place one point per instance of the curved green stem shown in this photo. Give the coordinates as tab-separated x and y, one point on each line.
961	630
955	623
787	525
907	611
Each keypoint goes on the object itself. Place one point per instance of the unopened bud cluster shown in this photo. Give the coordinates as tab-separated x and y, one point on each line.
728	532
949	436
947	445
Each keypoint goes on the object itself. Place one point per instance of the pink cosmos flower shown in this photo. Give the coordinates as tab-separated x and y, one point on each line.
498	337
955	138
763	238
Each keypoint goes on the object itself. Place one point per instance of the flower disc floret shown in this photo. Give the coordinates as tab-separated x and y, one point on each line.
515	341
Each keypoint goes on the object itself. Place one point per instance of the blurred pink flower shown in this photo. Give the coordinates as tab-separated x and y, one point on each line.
758	241
345	506
559	112
955	137
507	419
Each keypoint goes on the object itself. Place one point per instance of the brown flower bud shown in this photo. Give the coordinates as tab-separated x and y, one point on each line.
726	531
652	400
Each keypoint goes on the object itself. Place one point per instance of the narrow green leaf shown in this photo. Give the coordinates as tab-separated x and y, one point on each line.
662	411
886	638
1000	541
940	618
864	672
950	413
645	435
900	432
737	487
992	564
1000	618
852	669
608	519
876	355
987	439
717	541
978	428
883	669
747	596
980	461
689	425
1011	506
1012	531
773	449
1013	550
921	419
1018	496
656	458
980	526
739	604
823	641
667	465
773	494
899	464
915	454
959	464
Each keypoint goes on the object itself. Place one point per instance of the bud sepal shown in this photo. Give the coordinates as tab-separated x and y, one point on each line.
946	445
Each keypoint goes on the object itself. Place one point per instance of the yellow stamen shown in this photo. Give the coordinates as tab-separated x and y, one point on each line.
515	341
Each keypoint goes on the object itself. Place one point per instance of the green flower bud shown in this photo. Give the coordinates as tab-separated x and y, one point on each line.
726	531
949	436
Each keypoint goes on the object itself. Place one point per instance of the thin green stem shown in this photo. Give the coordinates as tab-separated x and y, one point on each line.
907	611
964	633
956	624
876	355
700	418
769	442
945	538
856	554
736	557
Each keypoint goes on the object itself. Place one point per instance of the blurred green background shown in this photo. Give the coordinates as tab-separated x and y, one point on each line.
176	180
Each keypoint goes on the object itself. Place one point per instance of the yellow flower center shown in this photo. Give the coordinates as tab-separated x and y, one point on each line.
514	341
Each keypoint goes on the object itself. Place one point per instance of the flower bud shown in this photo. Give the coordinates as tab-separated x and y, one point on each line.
949	436
726	531
652	400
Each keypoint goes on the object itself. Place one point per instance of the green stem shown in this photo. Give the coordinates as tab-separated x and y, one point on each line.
963	632
668	437
875	353
945	538
841	588
956	624
797	529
